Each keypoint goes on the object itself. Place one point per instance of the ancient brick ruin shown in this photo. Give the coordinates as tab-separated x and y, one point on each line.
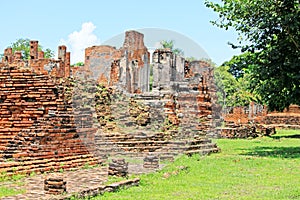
128	66
55	68
56	117
37	128
170	115
255	120
120	104
55	185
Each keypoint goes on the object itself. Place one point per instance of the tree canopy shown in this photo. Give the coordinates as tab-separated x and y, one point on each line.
170	44
269	33
78	64
23	45
233	91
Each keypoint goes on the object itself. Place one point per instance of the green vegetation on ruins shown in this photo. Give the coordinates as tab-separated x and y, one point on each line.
169	44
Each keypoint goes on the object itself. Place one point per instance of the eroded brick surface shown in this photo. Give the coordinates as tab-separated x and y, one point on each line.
111	109
135	120
244	115
253	122
37	128
128	66
57	68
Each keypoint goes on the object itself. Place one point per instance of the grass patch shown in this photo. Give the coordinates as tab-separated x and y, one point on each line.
16	177
5	191
114	179
261	168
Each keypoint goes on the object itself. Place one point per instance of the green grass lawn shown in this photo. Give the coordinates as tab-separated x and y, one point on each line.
262	168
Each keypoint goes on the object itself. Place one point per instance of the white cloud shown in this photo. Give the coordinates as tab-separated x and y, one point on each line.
79	40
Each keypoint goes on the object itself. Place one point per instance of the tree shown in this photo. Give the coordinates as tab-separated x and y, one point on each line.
239	64
170	45
269	32
78	64
233	91
48	53
190	59
23	45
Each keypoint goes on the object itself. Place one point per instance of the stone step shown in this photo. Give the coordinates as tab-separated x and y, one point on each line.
202	151
125	150
131	143
201	146
41	165
141	155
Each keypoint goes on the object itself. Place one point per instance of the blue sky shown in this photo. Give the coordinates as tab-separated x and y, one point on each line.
84	23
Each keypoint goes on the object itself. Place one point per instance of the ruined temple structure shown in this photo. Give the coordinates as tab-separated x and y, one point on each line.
38	130
128	66
55	117
56	68
255	120
172	114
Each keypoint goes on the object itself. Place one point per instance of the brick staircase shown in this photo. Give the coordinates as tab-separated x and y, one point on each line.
138	141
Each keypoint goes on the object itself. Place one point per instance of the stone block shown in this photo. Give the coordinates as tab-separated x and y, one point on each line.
55	185
118	167
151	162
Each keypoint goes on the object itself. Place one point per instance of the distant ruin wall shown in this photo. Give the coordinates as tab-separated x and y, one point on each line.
260	115
99	61
59	68
128	68
167	68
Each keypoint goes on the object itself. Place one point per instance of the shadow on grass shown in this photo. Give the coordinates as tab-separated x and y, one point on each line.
297	136
275	152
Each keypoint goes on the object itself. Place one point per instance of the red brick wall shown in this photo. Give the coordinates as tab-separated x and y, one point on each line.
290	116
37	126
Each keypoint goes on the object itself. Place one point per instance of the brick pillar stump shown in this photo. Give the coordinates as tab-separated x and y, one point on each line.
55	185
118	167
151	162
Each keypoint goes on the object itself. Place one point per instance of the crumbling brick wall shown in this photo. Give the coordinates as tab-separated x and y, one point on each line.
289	117
245	115
167	67
238	116
37	129
128	66
57	68
101	61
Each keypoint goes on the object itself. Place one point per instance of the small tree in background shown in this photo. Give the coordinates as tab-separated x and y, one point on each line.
23	45
48	53
233	91
170	45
